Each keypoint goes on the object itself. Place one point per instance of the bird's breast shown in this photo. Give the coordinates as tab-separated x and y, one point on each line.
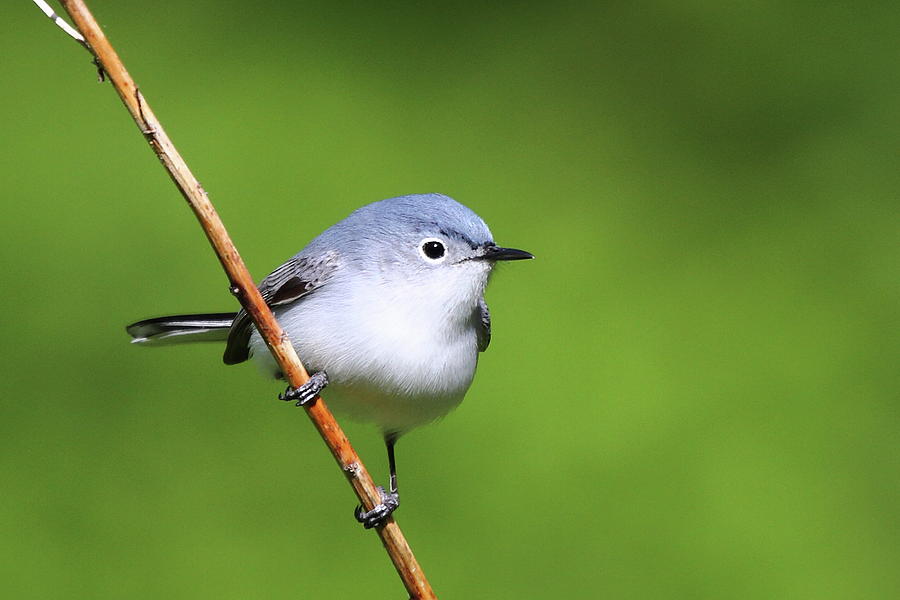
398	361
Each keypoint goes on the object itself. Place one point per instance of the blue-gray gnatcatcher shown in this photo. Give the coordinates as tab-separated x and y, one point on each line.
385	307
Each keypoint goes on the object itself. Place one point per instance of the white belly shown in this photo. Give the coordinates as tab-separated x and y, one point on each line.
390	367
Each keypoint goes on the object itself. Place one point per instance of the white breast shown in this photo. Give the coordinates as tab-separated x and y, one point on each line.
396	359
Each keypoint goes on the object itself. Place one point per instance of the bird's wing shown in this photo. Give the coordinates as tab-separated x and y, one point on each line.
484	332
298	277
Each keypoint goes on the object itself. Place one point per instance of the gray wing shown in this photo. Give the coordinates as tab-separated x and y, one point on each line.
484	332
298	277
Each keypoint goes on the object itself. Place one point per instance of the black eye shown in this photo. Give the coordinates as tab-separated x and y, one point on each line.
433	249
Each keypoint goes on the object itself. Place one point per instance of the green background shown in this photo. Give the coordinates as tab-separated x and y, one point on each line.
691	393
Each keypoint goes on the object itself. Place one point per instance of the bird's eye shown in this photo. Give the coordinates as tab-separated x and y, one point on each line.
433	249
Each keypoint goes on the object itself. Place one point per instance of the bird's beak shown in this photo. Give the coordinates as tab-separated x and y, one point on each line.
496	253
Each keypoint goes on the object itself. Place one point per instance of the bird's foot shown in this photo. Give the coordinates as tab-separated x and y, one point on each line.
306	392
379	514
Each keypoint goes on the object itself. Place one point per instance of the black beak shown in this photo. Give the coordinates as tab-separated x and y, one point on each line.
492	252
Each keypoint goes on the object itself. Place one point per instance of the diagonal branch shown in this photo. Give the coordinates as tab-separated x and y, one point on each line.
243	287
51	14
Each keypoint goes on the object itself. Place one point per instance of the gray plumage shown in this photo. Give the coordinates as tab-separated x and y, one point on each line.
389	302
484	331
288	283
212	327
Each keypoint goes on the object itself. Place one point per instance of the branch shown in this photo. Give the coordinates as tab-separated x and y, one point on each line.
51	14
243	287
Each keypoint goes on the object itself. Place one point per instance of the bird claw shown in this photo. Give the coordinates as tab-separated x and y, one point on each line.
380	512
306	392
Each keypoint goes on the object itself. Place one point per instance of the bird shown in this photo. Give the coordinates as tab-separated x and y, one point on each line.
385	308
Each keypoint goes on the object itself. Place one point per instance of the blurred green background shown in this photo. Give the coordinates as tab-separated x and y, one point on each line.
691	393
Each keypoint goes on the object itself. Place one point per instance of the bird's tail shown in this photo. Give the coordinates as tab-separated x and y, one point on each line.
182	329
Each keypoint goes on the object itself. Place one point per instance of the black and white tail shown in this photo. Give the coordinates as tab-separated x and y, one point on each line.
182	329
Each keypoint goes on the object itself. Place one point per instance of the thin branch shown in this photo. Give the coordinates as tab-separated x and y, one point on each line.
51	14
243	287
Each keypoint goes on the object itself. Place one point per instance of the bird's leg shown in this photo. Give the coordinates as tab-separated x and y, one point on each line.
389	441
389	500
306	392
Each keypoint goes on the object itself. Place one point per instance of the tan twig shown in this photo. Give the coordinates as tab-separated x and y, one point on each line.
243	287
